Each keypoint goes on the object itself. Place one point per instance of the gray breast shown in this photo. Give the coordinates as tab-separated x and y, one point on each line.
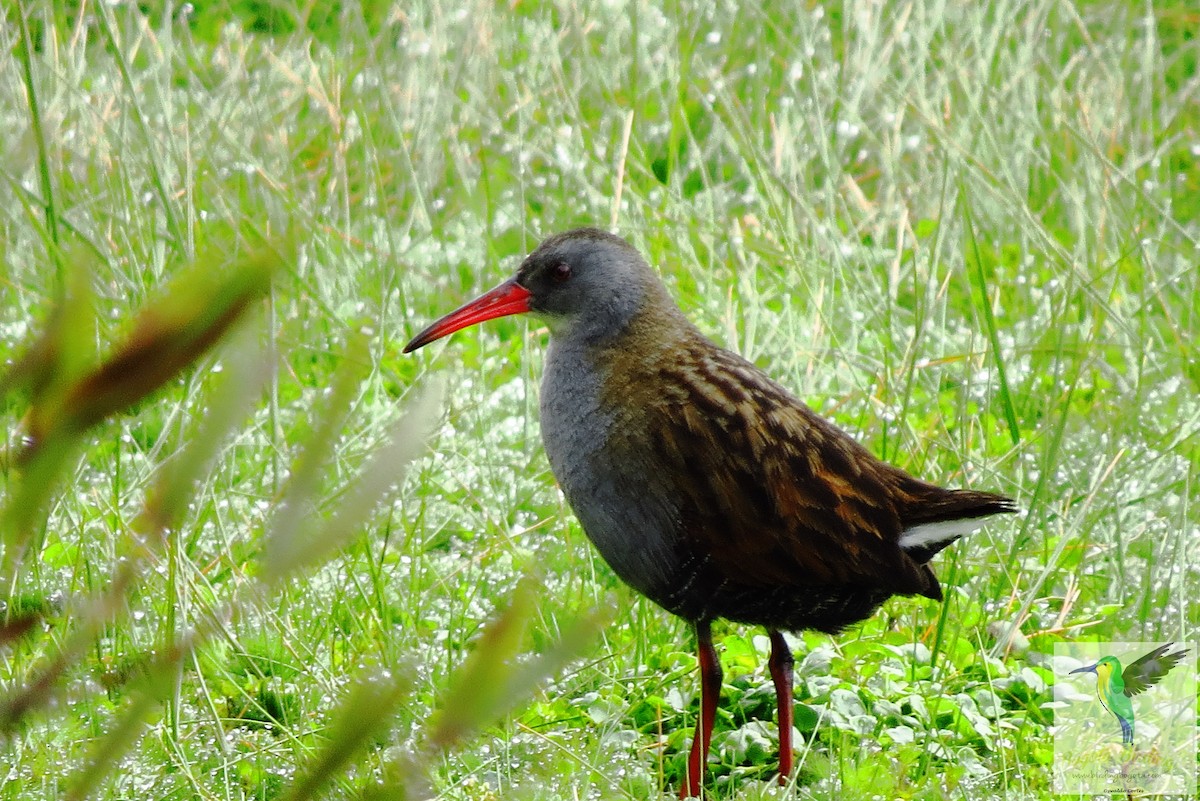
631	519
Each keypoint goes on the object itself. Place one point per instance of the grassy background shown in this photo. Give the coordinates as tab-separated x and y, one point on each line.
968	234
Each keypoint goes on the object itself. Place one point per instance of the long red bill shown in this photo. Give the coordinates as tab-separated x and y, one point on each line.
508	298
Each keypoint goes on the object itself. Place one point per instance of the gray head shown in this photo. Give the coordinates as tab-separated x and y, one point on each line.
586	284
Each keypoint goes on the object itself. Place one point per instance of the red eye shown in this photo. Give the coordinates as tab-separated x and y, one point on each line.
561	272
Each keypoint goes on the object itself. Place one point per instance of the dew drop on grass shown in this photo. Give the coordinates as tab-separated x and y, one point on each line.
846	129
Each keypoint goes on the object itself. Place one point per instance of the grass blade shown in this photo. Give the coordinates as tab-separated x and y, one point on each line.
362	716
39	135
493	680
168	335
294	543
226	403
985	307
107	751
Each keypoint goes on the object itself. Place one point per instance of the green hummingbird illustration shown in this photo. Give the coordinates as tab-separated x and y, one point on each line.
1114	687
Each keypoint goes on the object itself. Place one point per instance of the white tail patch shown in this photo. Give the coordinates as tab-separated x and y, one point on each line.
928	534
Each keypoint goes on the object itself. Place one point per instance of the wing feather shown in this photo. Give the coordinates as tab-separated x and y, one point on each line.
769	493
772	491
1143	673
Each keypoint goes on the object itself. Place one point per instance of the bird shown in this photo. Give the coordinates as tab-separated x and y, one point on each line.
705	485
1115	687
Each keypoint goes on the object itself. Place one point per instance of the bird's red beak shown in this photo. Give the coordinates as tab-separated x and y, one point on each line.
508	298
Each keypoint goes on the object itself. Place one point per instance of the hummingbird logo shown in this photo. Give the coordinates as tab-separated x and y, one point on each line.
1115	687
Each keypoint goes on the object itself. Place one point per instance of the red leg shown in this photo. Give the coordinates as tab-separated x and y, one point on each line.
781	663
710	692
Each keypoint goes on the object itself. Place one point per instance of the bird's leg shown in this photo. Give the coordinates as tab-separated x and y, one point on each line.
710	692
781	663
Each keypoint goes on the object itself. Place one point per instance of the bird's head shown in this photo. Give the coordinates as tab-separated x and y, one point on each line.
1103	669
585	283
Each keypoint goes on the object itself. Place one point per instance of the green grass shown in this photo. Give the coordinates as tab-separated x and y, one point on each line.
969	235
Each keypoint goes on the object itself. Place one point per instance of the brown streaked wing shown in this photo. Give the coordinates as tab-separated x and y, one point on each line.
772	491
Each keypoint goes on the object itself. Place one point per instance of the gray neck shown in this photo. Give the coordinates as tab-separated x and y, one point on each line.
606	318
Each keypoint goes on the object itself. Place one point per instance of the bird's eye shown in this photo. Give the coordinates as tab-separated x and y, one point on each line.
560	272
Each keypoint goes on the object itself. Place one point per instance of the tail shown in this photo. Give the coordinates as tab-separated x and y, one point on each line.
1126	731
936	517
